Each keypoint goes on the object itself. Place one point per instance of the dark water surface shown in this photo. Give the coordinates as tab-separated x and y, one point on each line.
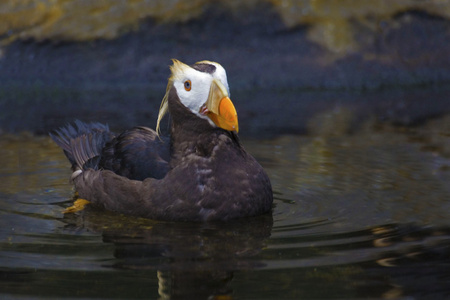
361	215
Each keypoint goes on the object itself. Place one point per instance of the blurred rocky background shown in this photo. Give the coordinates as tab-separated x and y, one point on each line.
292	64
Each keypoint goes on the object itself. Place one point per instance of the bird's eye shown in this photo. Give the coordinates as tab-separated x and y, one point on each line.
187	85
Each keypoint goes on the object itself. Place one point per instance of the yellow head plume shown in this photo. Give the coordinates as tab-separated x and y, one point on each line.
176	70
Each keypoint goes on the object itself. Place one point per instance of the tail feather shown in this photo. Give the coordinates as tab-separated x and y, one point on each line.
83	143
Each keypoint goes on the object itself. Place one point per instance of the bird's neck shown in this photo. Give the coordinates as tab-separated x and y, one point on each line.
191	134
187	139
185	142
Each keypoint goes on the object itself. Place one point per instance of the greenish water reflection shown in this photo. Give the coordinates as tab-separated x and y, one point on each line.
356	215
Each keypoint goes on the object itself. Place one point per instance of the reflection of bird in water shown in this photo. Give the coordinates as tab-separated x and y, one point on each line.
201	173
195	285
191	260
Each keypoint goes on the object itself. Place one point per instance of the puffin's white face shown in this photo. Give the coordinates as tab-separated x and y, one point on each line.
193	86
204	94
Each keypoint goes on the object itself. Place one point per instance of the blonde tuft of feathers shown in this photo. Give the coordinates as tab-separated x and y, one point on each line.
163	109
177	70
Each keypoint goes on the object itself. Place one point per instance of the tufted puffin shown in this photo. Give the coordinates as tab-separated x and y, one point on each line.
201	172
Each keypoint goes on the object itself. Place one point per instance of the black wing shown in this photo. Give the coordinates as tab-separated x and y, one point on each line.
83	143
137	153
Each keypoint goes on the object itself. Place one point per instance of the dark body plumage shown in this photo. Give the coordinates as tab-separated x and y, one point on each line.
200	173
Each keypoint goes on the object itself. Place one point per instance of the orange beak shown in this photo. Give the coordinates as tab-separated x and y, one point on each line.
220	108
